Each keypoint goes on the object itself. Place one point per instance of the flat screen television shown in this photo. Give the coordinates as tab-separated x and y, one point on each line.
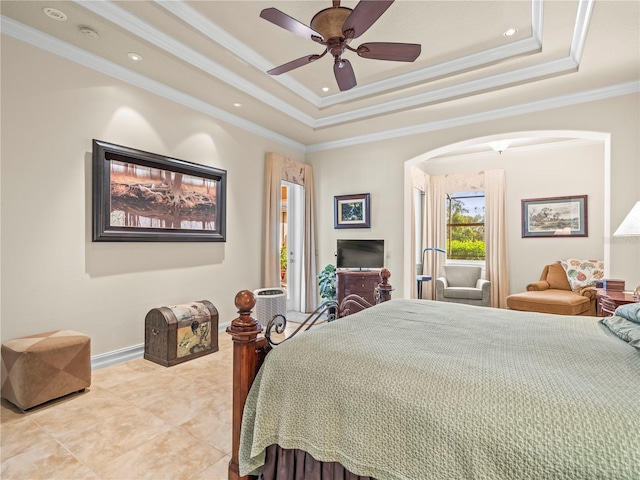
360	254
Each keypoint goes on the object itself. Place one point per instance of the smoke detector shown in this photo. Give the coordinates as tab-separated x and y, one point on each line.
55	14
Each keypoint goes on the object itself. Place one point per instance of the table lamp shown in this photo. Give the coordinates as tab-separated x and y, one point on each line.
630	227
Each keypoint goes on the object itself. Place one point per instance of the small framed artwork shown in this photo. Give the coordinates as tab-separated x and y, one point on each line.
145	197
555	217
352	211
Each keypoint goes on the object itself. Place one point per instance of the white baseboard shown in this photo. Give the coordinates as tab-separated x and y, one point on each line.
117	356
125	354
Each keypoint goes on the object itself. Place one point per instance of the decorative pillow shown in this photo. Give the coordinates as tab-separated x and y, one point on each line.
623	329
583	273
630	311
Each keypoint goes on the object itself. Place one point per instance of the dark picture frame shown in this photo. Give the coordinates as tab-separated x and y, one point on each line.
555	217
352	211
145	197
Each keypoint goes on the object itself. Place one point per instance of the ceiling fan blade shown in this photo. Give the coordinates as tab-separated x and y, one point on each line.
399	52
283	20
363	16
344	75
298	62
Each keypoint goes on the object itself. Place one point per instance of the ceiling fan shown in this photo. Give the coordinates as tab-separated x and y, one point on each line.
335	27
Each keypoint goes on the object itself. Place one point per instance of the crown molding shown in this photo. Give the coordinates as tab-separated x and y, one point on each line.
48	43
111	12
526	46
243	52
51	44
482	59
487	84
214	32
189	15
119	16
583	18
627	88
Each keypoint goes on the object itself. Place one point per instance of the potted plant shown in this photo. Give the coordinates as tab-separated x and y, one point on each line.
327	285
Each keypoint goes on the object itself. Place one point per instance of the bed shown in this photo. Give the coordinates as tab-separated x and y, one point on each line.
415	389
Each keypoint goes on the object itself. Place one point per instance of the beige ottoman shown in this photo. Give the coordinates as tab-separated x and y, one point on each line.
42	367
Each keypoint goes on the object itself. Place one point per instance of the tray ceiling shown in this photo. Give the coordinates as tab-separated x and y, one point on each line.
210	55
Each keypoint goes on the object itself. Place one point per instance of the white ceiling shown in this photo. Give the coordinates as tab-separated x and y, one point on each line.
209	55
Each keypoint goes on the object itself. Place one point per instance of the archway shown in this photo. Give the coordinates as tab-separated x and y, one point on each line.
525	140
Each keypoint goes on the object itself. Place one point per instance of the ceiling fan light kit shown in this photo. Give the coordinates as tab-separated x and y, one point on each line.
328	22
335	28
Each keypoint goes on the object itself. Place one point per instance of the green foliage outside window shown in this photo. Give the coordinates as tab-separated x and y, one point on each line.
465	229
283	257
466	250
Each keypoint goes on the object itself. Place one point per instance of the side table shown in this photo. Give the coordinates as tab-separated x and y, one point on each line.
612	299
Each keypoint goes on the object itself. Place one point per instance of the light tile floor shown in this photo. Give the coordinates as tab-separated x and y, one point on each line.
138	420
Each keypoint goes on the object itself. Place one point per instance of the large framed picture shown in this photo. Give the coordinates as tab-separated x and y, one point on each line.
144	197
555	217
352	211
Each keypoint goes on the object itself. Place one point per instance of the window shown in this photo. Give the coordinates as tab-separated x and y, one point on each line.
465	226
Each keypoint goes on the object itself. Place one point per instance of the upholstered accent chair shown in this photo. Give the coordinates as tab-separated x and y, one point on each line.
553	294
462	284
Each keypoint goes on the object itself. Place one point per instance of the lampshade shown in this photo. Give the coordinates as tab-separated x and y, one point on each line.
630	226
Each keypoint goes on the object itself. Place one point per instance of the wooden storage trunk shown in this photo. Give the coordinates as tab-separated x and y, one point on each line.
176	334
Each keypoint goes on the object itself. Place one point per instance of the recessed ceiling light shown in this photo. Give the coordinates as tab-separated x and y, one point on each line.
55	14
89	32
134	56
237	104
325	89
511	32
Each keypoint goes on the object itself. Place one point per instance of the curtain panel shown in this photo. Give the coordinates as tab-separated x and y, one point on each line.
419	181
495	228
273	176
436	231
278	169
492	182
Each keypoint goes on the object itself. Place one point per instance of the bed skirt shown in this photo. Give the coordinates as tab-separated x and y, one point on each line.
291	464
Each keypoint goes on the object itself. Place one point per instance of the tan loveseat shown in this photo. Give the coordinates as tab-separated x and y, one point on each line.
553	294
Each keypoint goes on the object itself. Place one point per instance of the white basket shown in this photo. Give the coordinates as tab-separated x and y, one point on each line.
269	303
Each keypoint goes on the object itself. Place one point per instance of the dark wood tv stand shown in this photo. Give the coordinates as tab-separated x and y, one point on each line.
363	283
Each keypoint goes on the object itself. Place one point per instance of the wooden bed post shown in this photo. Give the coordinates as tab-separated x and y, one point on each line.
244	331
384	288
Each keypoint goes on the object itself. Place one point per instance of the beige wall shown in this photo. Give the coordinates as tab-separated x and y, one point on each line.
377	167
574	168
53	276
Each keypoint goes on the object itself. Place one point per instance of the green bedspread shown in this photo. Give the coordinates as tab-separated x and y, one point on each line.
414	389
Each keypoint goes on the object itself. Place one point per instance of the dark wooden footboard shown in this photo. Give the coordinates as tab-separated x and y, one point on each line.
248	353
250	349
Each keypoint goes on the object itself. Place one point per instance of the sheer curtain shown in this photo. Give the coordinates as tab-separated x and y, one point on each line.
419	180
273	170
495	227
436	227
310	297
